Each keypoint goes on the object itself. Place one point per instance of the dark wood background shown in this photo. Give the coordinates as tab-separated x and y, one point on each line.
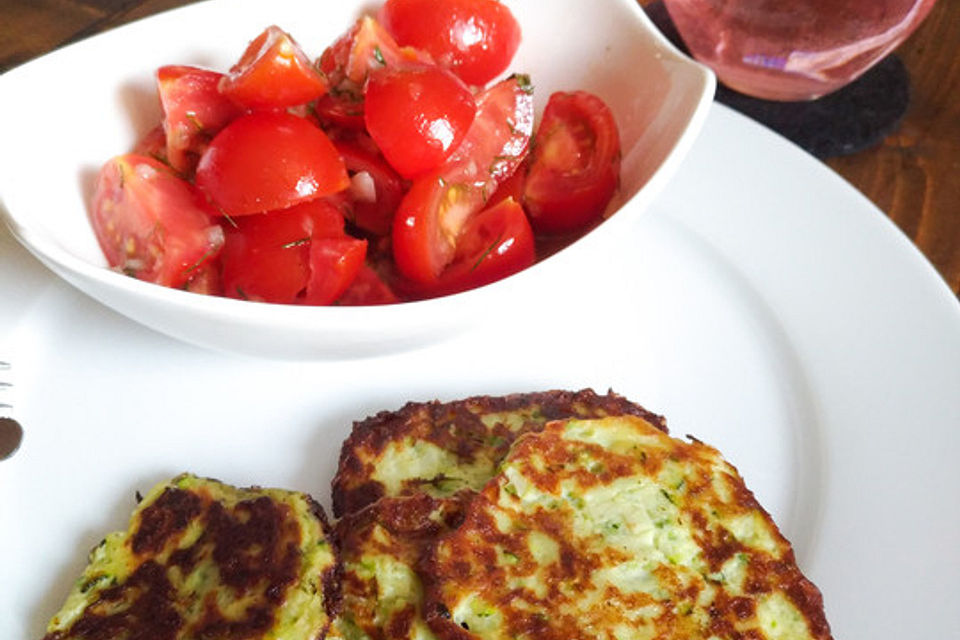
913	176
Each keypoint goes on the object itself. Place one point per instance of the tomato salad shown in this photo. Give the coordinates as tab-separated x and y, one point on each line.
392	168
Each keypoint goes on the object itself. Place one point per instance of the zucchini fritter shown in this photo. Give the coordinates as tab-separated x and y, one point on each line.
441	448
380	547
611	529
404	479
202	559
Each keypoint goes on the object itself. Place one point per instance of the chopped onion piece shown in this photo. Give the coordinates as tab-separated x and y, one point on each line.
362	187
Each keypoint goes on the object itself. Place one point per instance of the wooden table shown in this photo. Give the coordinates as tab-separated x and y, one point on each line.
913	176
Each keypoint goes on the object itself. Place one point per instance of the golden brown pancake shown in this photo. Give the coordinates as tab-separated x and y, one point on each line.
202	559
609	528
441	448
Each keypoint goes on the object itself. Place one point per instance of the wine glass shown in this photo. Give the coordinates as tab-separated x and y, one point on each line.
793	49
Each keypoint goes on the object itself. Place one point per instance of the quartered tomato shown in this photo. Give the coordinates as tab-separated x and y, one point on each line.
366	47
269	160
495	243
575	166
511	187
273	72
499	138
432	214
427	224
150	223
194	111
476	39
290	256
417	116
375	190
334	264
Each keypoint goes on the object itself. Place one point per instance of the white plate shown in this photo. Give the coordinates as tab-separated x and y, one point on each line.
762	305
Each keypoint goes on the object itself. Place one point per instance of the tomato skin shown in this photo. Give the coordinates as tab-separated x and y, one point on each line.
206	280
499	138
427	224
194	111
267	257
511	187
494	244
374	216
575	167
343	109
153	144
364	48
476	39
273	72
269	160
417	116
367	289
334	264
150	223
432	214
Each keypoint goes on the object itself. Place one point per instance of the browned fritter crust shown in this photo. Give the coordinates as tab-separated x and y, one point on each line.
459	429
195	546
556	547
417	518
381	541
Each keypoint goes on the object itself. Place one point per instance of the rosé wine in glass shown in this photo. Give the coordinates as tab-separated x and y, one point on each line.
793	49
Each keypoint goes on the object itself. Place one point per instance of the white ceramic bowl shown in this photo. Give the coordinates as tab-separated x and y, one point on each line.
65	114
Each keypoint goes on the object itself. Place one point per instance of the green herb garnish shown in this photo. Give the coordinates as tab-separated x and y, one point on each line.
523	81
296	243
488	251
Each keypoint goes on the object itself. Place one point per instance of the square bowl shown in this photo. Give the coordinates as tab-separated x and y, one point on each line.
66	113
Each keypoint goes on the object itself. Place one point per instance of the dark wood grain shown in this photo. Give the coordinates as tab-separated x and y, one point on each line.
913	176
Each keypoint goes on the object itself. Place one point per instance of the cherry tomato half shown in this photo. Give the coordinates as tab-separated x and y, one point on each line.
269	160
334	265
417	116
575	166
151	224
364	48
432	214
270	257
511	187
499	138
494	244
476	39
194	110
427	224
273	72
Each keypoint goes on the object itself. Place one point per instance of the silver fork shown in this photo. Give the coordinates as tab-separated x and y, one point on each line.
11	433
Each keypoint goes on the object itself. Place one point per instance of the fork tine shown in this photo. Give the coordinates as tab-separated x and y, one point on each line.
4	366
